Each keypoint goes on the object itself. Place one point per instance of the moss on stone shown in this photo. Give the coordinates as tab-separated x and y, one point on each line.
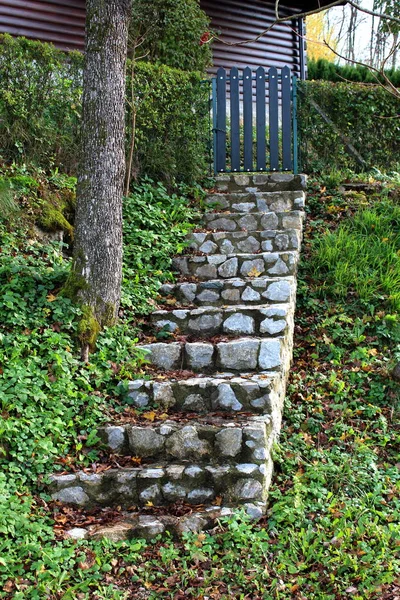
73	285
52	219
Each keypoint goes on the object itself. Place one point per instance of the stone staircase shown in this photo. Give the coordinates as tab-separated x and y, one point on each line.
233	314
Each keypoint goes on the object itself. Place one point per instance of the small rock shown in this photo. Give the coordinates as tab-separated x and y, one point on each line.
226	247
279	268
165	356
250	295
240	324
231	295
208	247
222	223
270	354
72	495
199	356
254	512
144	441
229	268
188	290
116	437
148	527
248	489
150	494
249	268
249	246
248	223
272	327
77	533
139	399
173	492
191	523
278	291
226	398
208	296
269	221
239	355
201	495
205	324
229	441
115	533
186	443
194	403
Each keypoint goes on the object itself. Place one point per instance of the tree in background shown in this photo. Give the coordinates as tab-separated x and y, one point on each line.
320	37
95	279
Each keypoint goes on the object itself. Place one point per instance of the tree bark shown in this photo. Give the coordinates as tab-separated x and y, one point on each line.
96	275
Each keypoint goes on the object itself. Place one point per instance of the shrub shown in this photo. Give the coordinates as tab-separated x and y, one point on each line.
40	105
171	31
366	117
324	69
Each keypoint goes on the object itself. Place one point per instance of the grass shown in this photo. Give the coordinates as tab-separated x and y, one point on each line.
332	530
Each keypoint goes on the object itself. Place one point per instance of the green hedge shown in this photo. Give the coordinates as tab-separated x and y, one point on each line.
329	71
365	116
40	107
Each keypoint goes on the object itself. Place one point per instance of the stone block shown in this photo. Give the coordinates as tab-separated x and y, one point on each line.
270	354
238	355
145	442
240	324
164	356
185	444
199	355
228	268
229	441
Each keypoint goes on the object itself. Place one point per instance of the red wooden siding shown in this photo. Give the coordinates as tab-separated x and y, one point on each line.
58	21
236	21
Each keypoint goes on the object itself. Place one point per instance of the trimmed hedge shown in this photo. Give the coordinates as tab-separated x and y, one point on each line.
329	71
367	117
40	109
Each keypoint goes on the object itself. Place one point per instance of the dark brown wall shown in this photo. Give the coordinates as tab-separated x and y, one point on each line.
63	23
59	21
236	21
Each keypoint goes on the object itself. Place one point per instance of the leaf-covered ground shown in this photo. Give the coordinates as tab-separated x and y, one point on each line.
332	530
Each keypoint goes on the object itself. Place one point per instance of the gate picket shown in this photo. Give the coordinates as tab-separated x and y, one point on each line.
260	119
248	119
221	121
286	120
235	120
273	119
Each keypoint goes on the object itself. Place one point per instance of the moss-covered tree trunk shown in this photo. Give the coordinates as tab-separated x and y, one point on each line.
96	275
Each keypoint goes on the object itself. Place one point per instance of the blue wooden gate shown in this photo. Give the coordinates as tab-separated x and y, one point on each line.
254	120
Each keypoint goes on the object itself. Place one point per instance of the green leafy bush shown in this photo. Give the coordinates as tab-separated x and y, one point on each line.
170	32
366	117
329	71
40	97
172	122
40	106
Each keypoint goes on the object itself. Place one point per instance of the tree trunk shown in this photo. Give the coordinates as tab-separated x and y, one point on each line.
95	280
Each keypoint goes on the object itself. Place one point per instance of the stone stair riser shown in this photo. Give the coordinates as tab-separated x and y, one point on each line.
245	265
260	182
206	394
220	441
261	321
257	201
230	221
231	291
160	485
244	354
243	242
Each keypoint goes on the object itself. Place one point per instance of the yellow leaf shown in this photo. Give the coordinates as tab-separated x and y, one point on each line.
254	273
149	504
51	298
163	416
372	351
150	416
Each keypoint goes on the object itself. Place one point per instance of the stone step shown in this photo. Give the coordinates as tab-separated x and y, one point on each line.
242	354
194	481
241	221
223	242
214	438
217	292
228	266
251	392
252	201
260	182
261	320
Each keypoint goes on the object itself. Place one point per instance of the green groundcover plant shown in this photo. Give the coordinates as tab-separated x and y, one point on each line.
332	528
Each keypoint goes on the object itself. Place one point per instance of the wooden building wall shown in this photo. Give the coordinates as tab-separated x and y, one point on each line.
62	22
235	21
